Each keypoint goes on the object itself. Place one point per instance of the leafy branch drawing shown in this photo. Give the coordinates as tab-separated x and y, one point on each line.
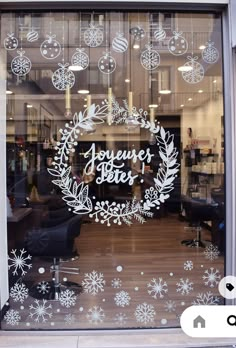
77	195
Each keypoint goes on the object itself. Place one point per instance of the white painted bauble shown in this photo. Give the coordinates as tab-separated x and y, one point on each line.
159	34
210	54
150	58
93	36
177	45
120	43
107	64
196	73
50	48
21	65
80	58
10	42
63	78
32	36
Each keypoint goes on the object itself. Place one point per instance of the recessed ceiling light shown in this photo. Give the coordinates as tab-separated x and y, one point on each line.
85	105
8	91
214	81
10	118
185	68
202	47
182	105
83	91
75	67
165	91
29	106
127	80
153	106
200	91
189	99
136	46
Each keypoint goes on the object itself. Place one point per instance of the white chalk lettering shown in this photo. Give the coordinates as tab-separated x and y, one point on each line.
110	169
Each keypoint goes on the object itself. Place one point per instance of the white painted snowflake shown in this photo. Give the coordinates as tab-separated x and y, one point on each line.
67	298
170	306
211	252
122	298
69	319
41	311
120	319
145	313
93	283
184	286
95	315
116	283
19	292
12	317
19	261
43	287
188	265
212	277
157	288
206	299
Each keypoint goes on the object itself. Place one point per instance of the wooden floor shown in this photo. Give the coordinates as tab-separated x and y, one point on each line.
118	266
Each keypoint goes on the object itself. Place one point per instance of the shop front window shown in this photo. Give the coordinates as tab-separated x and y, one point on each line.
115	167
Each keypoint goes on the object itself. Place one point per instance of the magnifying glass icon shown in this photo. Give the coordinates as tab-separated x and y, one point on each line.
231	320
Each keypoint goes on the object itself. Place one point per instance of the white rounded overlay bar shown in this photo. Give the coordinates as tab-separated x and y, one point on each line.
209	321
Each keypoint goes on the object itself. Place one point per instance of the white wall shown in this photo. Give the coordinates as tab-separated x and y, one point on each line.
205	122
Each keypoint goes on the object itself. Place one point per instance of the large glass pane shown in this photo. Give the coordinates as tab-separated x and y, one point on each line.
115	167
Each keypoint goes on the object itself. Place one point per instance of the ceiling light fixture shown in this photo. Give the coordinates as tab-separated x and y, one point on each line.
8	91
200	91
214	81
83	91
186	68
136	46
153	106
202	47
189	99
165	91
29	106
182	105
127	80
75	67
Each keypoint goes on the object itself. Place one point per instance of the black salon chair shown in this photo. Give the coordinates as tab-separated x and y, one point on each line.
56	217
197	212
57	244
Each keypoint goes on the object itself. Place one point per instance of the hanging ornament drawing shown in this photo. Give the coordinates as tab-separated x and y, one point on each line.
21	65
196	74
159	33
107	63
210	54
150	58
63	78
178	45
50	48
10	42
93	36
32	36
137	32
80	59
120	43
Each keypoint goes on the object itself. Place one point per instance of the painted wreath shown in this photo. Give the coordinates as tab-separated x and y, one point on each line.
76	195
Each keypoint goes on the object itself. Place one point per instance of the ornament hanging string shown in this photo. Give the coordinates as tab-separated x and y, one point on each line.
192	33
63	38
50	23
